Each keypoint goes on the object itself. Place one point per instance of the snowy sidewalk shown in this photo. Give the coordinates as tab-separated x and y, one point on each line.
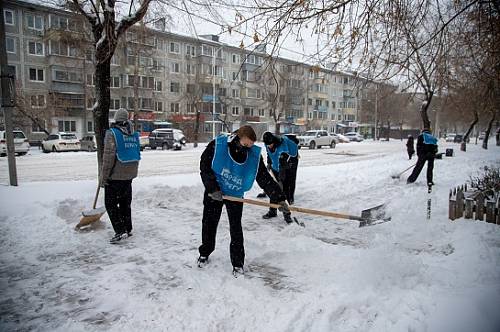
411	274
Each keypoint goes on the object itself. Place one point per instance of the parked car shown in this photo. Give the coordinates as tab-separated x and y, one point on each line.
144	140
459	138
164	138
88	143
450	137
61	142
21	145
339	138
316	139
36	138
354	136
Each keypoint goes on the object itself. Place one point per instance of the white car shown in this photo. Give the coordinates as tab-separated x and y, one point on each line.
316	139
21	145
450	137
61	142
340	138
354	136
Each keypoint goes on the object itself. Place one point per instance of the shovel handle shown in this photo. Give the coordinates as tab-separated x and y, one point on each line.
295	208
96	196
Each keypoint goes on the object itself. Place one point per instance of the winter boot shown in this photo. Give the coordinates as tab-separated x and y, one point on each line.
202	261
129	234
238	271
115	239
288	218
270	214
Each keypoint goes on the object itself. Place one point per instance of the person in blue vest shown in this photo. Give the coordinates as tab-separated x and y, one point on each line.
120	163
282	161
426	151
229	165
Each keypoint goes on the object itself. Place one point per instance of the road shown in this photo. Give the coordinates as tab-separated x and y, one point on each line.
38	166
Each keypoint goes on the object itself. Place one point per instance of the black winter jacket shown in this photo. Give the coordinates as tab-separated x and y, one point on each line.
264	179
423	149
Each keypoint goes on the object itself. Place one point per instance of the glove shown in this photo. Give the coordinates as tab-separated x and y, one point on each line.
216	195
284	207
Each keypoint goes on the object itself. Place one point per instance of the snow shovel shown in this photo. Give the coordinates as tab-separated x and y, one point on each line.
369	217
398	175
90	216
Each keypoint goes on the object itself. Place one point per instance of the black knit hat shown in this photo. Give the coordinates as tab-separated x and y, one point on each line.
269	138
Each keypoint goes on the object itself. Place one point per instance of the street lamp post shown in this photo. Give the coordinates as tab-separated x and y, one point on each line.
213	89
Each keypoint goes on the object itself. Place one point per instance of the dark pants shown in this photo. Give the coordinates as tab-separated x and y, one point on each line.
287	183
117	199
410	153
418	168
212	210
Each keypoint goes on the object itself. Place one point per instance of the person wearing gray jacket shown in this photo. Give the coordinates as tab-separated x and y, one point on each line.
120	163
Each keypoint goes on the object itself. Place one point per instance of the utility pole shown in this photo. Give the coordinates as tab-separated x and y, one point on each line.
8	89
376	112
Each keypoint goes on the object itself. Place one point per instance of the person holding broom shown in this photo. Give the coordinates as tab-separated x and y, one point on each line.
426	151
229	166
120	163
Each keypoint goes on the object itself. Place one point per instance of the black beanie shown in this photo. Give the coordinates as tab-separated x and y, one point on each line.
269	138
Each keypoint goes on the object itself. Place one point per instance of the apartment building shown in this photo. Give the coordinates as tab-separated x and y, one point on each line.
166	78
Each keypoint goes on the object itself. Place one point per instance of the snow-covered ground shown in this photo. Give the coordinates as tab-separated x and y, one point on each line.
411	274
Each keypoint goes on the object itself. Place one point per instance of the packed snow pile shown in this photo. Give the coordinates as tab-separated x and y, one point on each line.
418	272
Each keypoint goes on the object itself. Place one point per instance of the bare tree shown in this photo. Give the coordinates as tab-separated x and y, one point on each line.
106	31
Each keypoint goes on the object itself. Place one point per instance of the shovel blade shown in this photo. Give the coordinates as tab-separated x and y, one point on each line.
94	212
373	216
87	220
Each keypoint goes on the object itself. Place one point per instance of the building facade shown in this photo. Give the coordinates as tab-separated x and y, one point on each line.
163	77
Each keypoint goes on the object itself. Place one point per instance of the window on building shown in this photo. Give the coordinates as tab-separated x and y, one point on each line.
34	22
36	74
235	76
37	101
248	111
250	59
190	50
90	102
262	112
207	50
115	60
90	79
158	106
114	104
147	104
67	76
190	69
190	88
236	58
175	87
174	67
235	93
158	86
8	16
90	126
175	47
235	110
67	126
10	45
58	48
174	107
35	48
115	81
253	93
319	102
190	108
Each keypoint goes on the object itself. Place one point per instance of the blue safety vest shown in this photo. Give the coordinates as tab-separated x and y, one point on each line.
234	179
429	139
128	147
287	146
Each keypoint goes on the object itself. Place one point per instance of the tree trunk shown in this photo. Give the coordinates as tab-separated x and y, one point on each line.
463	145
388	130
423	111
196	127
101	109
488	130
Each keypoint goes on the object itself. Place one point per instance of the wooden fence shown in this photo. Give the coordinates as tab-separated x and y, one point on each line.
472	204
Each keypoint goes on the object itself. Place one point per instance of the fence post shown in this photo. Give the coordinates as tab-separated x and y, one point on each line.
452	204
490	211
459	210
480	206
469	207
498	210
